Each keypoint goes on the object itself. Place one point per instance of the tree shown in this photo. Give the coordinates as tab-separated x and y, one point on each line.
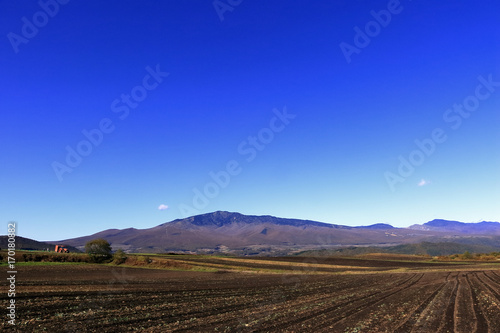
467	255
99	250
119	257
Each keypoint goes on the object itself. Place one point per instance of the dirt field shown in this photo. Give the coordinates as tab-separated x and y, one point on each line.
98	298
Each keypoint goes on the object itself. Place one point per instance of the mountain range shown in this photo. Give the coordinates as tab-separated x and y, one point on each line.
242	234
23	243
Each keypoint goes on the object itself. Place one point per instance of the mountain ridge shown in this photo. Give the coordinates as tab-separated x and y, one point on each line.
220	218
235	231
23	243
457	226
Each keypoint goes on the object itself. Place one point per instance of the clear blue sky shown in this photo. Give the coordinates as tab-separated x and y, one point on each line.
312	118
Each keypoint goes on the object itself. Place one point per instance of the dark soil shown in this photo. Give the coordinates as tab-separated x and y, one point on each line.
93	298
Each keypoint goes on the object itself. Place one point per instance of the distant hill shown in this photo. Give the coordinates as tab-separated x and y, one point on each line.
377	226
23	243
226	231
249	234
221	218
490	228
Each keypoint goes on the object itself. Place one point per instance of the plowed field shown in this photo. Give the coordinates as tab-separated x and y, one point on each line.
98	298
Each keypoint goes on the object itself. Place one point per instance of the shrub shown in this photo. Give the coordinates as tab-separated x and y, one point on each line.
467	255
144	259
119	257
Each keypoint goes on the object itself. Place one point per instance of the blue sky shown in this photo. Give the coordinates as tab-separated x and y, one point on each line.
293	111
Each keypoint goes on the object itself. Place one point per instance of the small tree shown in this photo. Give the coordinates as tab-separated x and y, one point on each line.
467	255
99	250
119	257
144	259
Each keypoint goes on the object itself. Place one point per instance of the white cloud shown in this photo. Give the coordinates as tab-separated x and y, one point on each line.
423	182
162	207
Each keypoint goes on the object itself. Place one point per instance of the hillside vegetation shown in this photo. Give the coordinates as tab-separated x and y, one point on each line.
423	248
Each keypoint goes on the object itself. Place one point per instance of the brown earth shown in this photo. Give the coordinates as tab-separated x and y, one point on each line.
98	298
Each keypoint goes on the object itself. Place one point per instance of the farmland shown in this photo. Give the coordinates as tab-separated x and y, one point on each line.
289	294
